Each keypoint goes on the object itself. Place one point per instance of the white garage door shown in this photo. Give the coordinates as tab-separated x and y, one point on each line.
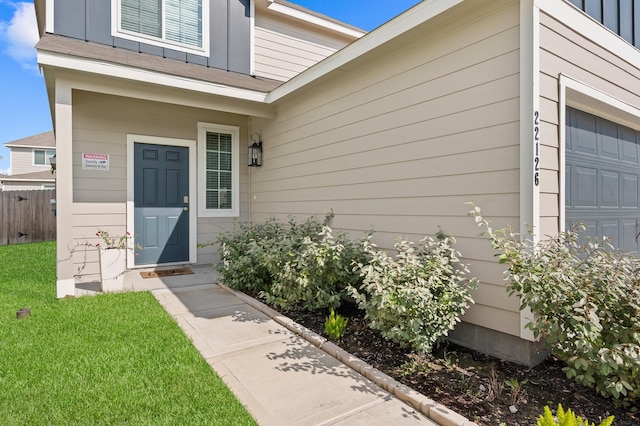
603	178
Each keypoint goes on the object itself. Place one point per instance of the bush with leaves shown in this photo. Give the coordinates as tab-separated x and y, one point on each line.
567	418
417	297
586	301
319	273
253	254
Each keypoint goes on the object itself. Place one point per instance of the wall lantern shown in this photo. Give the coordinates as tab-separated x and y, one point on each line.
255	151
52	162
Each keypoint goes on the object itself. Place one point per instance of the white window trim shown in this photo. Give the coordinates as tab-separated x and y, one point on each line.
234	131
575	94
117	31
33	156
193	222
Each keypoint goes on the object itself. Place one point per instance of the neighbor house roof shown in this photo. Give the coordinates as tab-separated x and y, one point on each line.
100	52
41	140
44	176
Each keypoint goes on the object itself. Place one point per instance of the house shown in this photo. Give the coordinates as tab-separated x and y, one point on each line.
29	163
530	109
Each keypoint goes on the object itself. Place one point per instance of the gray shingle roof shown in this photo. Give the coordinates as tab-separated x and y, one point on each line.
42	140
100	52
43	176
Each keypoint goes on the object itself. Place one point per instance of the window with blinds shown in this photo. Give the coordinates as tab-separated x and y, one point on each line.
219	171
178	22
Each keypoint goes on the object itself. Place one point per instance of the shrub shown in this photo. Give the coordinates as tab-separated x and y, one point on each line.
586	301
318	273
567	418
417	297
253	254
335	325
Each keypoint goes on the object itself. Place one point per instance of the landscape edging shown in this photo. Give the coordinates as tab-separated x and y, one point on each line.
434	411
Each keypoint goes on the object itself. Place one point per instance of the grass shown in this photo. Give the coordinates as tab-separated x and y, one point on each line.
109	359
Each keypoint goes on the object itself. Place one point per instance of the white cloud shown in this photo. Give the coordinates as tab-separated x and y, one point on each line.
20	35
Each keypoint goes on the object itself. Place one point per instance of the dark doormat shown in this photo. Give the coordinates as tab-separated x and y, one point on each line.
166	273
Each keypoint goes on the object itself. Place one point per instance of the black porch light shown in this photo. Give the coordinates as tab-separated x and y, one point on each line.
255	151
52	162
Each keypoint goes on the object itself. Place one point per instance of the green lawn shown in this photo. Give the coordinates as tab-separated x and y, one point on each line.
110	359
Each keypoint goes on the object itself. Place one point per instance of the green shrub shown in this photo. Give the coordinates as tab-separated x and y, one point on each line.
253	254
586	301
335	325
417	297
317	273
567	418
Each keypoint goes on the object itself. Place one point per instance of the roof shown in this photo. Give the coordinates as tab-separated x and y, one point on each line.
43	176
354	31
100	52
42	140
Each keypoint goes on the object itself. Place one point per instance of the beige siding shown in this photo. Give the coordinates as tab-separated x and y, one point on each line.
564	51
22	161
100	125
400	141
283	50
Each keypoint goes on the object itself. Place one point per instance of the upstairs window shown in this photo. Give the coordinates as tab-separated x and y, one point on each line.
176	24
42	157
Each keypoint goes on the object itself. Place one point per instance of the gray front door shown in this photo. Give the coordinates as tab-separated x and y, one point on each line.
603	178
161	191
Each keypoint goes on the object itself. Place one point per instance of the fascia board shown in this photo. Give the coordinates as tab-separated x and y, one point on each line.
403	23
146	76
316	20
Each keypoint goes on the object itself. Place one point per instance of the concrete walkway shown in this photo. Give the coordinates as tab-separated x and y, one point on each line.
281	377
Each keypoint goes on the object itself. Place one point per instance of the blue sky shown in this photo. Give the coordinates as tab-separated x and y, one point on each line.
24	109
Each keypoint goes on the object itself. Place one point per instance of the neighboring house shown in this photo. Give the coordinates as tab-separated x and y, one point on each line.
530	109
29	163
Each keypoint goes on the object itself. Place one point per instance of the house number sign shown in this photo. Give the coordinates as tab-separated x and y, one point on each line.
95	162
536	141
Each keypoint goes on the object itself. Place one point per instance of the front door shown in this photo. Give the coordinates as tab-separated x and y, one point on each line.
161	203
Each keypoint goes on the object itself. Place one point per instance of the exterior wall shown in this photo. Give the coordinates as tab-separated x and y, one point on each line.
90	20
401	140
283	50
566	51
100	125
22	161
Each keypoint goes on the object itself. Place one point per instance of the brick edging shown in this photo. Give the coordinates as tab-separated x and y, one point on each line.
434	411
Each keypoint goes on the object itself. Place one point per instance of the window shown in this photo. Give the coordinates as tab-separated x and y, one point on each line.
218	164
178	24
41	157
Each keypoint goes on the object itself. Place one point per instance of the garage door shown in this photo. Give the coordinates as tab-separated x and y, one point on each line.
603	178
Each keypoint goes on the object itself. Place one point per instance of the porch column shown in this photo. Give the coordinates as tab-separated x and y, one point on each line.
65	282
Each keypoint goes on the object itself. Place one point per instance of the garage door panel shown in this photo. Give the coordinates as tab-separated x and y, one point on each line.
630	148
609	188
629	232
603	178
609	229
630	190
585	181
607	140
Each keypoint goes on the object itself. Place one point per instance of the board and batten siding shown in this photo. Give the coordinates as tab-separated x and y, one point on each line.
399	142
100	126
565	51
282	50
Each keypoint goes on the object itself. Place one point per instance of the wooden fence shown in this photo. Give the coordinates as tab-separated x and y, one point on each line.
27	216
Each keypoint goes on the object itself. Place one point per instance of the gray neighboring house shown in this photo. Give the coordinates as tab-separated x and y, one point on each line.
29	163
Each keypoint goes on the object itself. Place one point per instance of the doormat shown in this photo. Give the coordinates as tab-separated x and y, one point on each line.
166	273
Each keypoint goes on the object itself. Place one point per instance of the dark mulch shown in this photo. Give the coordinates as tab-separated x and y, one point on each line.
474	385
